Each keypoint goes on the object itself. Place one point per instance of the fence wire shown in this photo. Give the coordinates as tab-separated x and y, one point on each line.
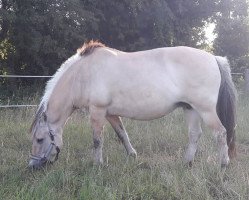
29	76
23	76
17	106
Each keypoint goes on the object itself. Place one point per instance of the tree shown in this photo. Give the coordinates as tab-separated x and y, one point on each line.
140	24
42	34
36	36
233	33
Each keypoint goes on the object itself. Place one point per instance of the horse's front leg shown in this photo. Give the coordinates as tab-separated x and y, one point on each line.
194	131
97	118
119	128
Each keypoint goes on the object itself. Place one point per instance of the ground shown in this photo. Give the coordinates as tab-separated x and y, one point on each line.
158	172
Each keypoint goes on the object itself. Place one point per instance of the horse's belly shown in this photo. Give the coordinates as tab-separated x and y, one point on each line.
141	110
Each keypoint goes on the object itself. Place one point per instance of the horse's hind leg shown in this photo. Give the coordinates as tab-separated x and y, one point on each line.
194	132
212	120
119	128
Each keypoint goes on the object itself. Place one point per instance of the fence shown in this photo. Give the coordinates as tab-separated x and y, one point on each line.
20	76
246	77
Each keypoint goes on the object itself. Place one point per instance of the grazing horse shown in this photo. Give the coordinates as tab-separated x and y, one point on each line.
142	85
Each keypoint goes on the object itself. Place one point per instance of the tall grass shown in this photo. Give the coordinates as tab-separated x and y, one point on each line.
158	172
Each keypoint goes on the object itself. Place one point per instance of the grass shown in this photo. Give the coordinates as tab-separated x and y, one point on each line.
158	172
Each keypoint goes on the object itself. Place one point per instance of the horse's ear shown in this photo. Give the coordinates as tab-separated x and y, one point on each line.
43	119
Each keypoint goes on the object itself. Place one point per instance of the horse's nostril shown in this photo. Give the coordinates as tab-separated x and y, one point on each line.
34	164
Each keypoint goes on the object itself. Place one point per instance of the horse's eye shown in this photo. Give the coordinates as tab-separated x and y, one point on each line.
39	141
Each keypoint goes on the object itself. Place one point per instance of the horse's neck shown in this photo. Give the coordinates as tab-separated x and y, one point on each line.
60	106
58	113
68	95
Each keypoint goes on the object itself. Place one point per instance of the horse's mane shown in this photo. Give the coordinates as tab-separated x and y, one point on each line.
85	50
37	116
89	47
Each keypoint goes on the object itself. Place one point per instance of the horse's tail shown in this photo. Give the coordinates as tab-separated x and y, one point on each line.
226	105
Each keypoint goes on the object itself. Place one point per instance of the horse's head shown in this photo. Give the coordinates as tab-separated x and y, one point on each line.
46	143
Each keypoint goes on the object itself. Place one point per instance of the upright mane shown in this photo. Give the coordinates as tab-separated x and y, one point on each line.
89	47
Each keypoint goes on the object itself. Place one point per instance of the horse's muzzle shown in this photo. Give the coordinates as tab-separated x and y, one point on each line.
37	163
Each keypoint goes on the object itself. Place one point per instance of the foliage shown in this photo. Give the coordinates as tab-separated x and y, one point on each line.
43	33
36	36
233	33
135	25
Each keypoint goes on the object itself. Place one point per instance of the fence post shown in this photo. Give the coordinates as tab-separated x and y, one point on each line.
247	80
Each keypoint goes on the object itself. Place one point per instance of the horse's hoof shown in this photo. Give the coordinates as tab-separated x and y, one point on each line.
223	166
190	164
133	154
98	162
225	163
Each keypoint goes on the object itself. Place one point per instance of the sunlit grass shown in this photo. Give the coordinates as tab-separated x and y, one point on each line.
158	172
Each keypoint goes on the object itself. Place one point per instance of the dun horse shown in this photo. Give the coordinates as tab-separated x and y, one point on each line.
141	85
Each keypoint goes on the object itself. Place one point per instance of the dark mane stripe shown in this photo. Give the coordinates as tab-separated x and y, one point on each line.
37	117
89	47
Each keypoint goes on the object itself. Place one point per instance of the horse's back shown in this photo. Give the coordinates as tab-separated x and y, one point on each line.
149	84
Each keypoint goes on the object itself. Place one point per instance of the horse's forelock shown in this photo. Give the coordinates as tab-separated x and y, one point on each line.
89	47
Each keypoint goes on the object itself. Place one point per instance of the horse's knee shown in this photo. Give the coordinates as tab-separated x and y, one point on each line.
98	146
96	143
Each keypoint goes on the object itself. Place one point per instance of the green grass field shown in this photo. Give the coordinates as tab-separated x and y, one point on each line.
157	173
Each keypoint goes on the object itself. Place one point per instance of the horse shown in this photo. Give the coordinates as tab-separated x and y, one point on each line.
141	85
